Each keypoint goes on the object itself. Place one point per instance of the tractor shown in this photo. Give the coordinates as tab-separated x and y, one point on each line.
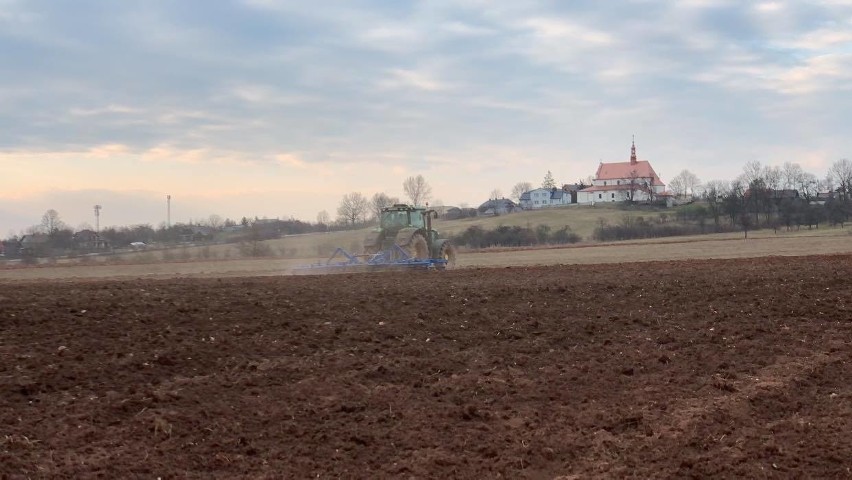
404	240
410	229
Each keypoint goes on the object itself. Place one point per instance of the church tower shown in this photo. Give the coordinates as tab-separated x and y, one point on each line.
633	152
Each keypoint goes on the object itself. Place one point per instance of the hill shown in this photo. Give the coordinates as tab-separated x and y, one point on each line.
581	219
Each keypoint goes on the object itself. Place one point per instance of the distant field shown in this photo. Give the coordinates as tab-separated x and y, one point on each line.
759	244
762	244
581	219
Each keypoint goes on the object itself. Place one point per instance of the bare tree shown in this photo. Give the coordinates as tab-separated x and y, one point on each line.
353	207
323	218
548	181
634	185
685	183
792	174
841	174
496	194
51	223
733	200
752	171
808	186
745	221
214	221
519	189
379	201
715	192
691	181
417	189
827	184
773	177
676	185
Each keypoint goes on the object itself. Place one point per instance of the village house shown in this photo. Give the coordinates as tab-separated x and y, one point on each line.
455	213
498	206
89	240
36	244
633	181
544	197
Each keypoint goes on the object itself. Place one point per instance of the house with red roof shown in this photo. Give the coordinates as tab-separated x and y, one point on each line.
634	181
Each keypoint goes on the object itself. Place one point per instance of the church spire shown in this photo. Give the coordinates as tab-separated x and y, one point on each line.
633	152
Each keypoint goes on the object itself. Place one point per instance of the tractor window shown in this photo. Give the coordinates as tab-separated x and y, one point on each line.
417	220
395	219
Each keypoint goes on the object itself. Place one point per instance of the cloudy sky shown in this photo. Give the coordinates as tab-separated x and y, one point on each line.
277	108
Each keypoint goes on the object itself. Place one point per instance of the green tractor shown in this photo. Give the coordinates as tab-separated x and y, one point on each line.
410	228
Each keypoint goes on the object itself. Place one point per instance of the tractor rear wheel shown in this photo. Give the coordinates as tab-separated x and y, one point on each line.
418	249
448	253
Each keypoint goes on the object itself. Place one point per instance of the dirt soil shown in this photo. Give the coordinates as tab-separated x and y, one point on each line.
717	368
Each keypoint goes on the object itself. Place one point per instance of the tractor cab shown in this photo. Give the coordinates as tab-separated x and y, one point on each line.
407	227
402	216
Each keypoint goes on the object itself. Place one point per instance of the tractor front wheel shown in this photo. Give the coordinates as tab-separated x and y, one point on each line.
418	249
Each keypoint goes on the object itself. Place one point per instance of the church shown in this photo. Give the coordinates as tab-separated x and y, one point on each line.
633	181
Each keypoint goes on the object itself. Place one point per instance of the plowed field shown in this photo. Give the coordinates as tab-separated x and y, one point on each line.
716	368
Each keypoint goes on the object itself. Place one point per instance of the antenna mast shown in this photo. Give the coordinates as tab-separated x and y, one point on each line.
97	220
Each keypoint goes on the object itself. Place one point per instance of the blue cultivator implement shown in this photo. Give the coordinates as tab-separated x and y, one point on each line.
395	258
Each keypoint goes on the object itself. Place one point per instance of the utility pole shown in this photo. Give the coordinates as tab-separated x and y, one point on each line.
168	211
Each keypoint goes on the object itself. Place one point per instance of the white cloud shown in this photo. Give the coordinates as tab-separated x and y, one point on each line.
107	110
820	73
389	36
291	160
823	39
551	29
467	30
419	80
769	7
702	4
268	95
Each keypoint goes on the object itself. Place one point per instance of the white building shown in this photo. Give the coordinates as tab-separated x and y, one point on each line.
635	180
544	197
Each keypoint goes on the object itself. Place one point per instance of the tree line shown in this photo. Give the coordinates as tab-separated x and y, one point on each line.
355	209
52	236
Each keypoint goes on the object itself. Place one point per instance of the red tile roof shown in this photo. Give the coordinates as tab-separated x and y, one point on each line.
624	170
